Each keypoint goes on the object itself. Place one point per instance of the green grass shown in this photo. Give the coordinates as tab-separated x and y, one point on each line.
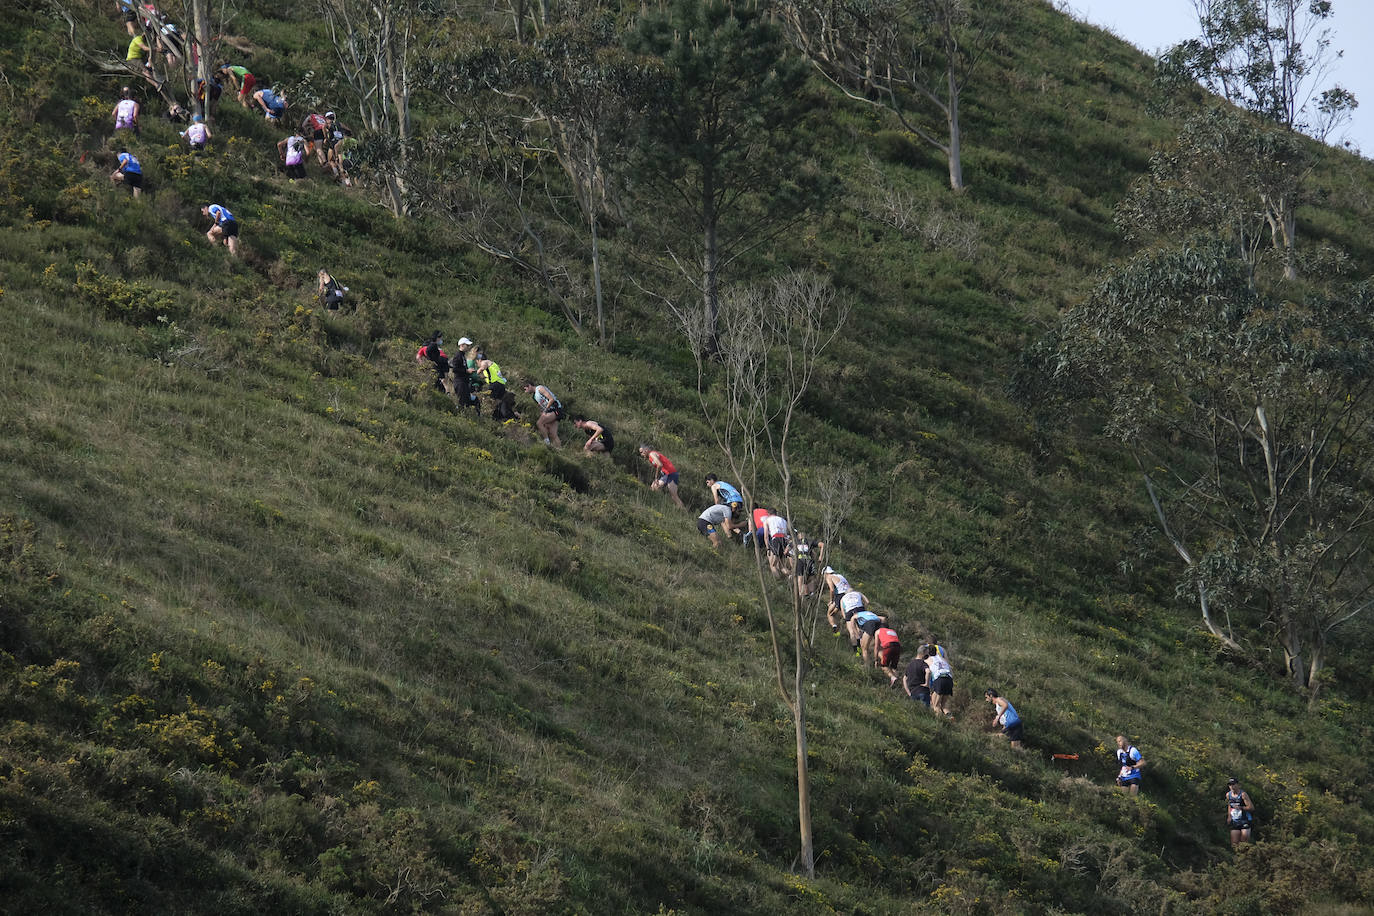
281	631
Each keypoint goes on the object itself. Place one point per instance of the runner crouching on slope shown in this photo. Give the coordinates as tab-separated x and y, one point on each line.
889	653
726	495
852	603
1004	714
225	228
862	628
777	530
711	521
433	350
838	586
941	683
916	678
667	472
806	559
129	173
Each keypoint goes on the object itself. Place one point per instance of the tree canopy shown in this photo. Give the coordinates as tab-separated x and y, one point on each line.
1249	418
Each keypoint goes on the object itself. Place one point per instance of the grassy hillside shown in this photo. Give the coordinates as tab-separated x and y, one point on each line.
280	631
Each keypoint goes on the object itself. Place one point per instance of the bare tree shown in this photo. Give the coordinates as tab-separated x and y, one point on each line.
912	57
770	340
490	176
105	61
569	96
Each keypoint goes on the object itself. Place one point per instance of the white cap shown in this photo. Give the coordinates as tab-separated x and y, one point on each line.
828	570
329	114
464	342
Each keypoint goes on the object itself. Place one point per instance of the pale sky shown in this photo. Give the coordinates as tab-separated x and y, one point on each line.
1153	25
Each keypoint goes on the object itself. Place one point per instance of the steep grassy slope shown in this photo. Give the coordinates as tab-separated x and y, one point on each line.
282	632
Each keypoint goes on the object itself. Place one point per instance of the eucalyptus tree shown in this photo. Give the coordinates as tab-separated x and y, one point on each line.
524	158
205	49
1269	57
1251	421
375	43
912	57
578	94
1228	173
719	166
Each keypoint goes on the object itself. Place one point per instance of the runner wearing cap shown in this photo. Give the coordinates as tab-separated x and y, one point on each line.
838	585
463	369
335	135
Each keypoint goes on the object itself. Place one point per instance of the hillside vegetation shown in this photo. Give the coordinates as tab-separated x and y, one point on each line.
282	631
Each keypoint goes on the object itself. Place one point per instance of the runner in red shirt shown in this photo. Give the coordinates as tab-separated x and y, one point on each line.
760	517
889	652
667	473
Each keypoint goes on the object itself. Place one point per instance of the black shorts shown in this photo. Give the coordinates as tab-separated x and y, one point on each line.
777	546
317	135
705	527
869	627
848	615
607	440
556	411
198	146
1014	731
229	228
942	685
736	511
133	179
130	16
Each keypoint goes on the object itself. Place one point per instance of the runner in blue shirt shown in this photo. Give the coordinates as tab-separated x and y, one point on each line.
1005	716
726	495
273	103
225	229
1129	759
129	173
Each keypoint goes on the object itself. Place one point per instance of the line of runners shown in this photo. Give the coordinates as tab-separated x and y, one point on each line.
154	35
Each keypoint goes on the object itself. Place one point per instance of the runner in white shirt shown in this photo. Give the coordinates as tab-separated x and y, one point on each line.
941	685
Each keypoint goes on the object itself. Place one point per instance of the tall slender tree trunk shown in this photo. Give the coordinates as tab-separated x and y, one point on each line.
710	263
956	165
596	274
808	851
397	85
1293	651
1290	237
1283	230
199	48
